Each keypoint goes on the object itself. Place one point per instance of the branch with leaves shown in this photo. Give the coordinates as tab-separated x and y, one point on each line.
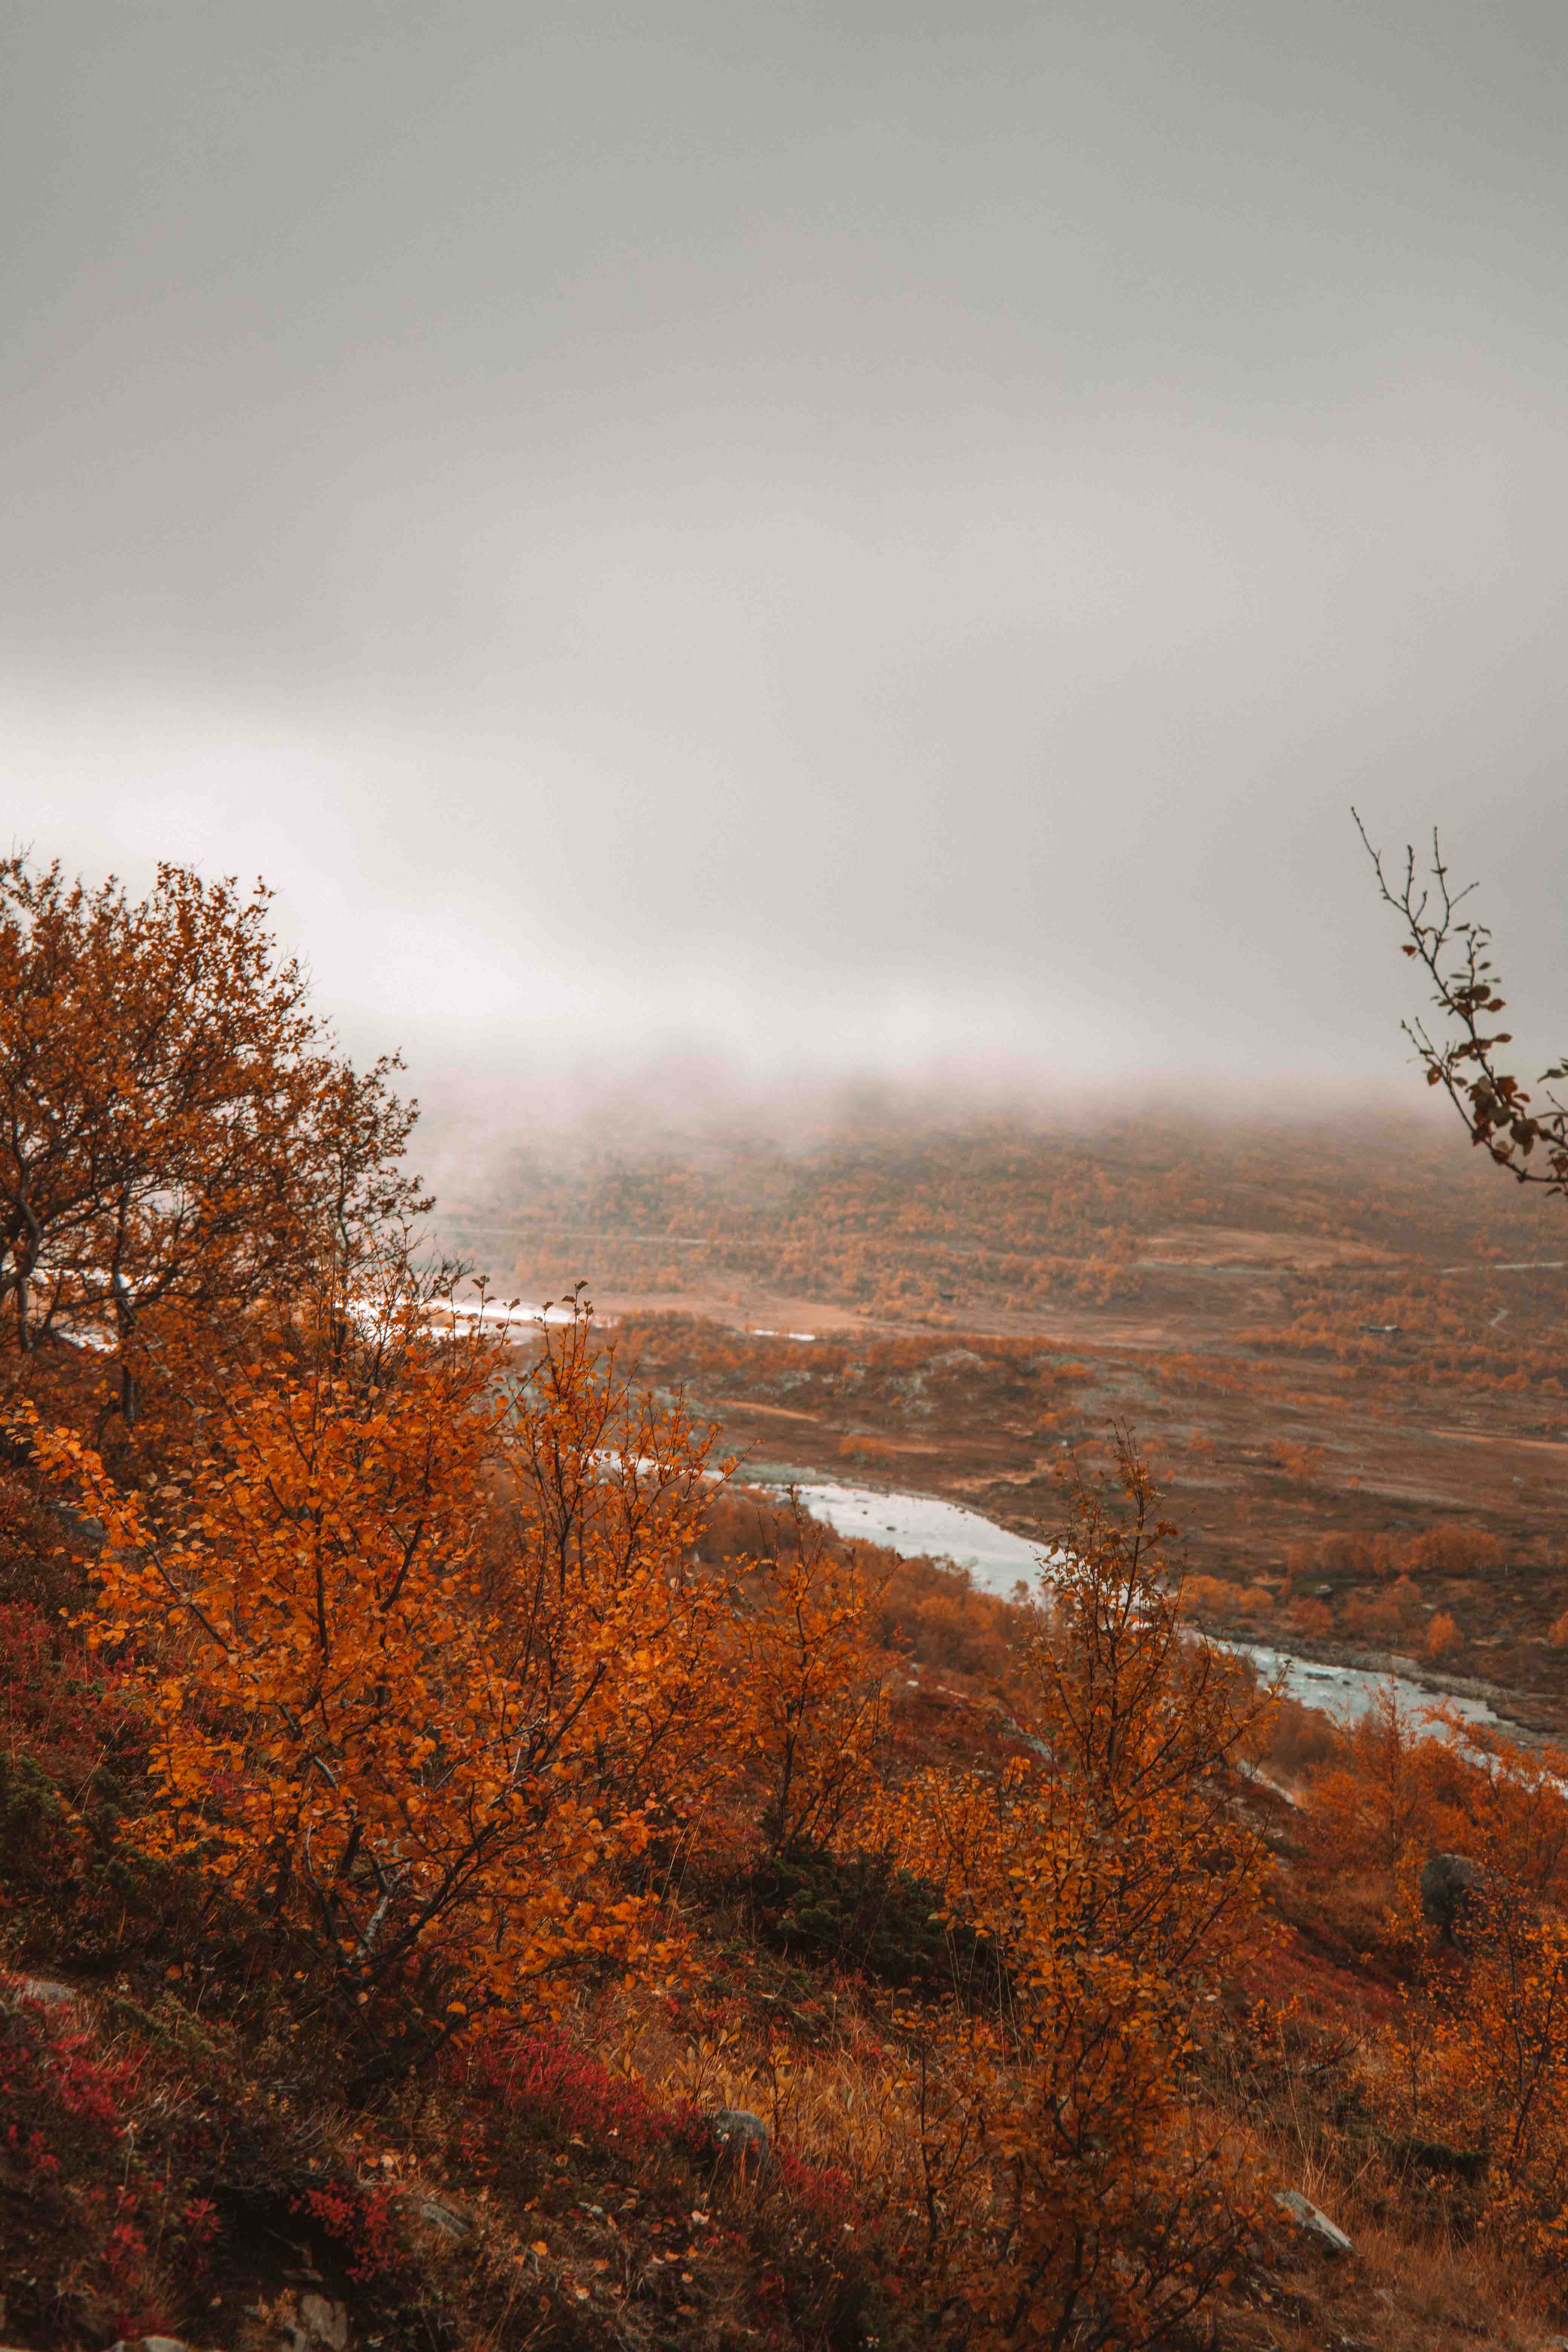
1455	952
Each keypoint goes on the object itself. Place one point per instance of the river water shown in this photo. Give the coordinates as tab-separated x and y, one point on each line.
920	1527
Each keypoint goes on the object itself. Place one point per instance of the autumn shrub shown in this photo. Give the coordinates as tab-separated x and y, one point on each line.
63	2125
1073	2194
1380	1798
538	2090
814	1689
1470	2089
1210	1594
359	2224
1442	1636
1380	1619
73	1745
858	1912
1481	2070
179	1139
111	2170
1448	1551
1302	1740
936	1616
425	1663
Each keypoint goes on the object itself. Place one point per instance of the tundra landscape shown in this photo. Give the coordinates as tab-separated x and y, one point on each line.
784	1420
1338	1341
493	1857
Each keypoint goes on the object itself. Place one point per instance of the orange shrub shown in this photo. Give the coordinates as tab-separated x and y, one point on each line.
426	1730
1074	2192
1210	1593
1442	1636
1377	1801
814	1702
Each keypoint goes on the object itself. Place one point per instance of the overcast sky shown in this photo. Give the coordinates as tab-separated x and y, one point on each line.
853	538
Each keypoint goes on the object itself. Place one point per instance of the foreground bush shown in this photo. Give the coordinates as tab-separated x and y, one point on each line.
426	1664
1073	2194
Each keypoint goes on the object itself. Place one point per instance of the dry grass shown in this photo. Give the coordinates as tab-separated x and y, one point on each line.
838	2103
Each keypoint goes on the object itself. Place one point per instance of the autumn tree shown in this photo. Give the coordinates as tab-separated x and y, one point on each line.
1481	2078
178	1139
428	1664
1380	1801
815	1687
1112	1874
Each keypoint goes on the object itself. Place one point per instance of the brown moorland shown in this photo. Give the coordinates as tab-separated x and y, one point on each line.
1341	1345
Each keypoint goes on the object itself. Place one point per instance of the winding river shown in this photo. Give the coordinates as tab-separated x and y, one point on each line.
920	1527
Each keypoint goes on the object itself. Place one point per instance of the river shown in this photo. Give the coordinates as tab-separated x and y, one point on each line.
920	1527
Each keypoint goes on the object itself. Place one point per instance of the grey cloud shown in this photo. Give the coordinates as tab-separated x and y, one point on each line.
839	539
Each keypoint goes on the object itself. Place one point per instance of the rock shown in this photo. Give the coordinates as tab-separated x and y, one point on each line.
300	2323
325	2323
744	2141
151	2344
442	2218
52	1994
1325	2234
1449	1885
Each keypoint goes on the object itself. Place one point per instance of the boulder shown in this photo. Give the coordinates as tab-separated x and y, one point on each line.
1326	2235
746	2143
1449	1885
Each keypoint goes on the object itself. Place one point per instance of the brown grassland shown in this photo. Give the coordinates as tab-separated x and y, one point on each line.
1342	1347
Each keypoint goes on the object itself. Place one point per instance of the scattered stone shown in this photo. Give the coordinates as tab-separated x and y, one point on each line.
325	2323
295	2323
441	2218
744	2140
1449	1883
47	1989
1325	2234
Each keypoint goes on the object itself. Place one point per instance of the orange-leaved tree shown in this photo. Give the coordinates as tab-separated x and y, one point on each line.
1382	1798
428	1664
1479	2092
816	1693
178	1139
1078	2196
1481	2086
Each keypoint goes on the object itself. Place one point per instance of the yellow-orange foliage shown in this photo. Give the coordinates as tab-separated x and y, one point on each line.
178	1140
1383	1801
428	1661
1493	2074
1481	2050
815	1698
1442	1636
1072	2194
